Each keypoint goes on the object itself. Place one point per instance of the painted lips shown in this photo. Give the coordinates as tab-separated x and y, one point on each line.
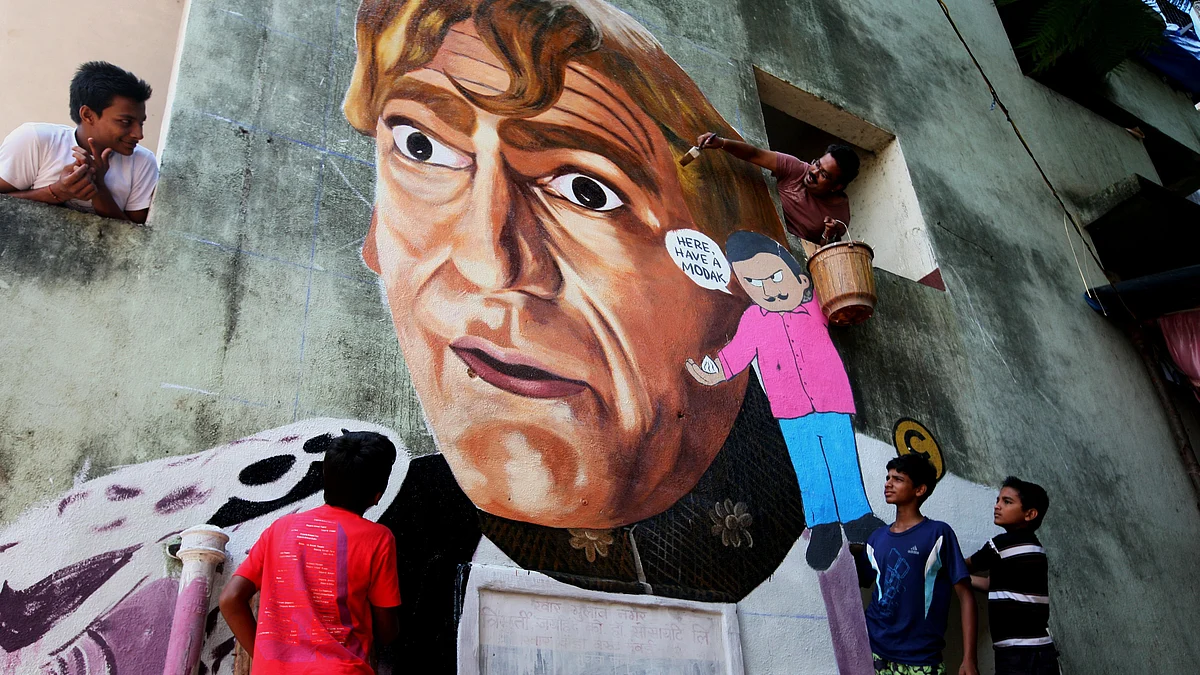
522	379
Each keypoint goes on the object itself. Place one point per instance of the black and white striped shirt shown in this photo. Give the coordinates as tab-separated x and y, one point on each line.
1018	593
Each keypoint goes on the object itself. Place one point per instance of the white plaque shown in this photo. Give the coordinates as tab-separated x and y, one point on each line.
517	622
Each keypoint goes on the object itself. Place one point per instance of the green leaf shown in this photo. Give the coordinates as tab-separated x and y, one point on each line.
1096	35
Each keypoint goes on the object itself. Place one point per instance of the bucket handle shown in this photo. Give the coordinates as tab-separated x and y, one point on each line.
849	239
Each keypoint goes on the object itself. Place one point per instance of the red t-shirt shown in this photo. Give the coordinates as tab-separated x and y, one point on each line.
318	573
805	214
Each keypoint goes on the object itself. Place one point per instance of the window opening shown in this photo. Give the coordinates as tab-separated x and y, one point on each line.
884	211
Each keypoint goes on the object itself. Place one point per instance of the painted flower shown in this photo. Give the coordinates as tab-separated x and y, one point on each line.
591	542
731	523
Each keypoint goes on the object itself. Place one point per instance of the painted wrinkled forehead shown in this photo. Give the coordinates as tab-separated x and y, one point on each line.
390	42
539	41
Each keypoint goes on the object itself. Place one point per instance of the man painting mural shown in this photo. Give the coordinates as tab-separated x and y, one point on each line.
813	194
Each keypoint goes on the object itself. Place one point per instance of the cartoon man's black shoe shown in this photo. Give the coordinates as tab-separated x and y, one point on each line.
824	543
860	528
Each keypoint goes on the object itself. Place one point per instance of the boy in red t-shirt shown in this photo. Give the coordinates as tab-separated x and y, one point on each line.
327	576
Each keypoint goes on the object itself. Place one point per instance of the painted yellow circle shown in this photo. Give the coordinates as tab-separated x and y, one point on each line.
910	435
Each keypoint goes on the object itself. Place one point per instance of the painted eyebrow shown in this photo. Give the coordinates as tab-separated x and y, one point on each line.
447	106
533	136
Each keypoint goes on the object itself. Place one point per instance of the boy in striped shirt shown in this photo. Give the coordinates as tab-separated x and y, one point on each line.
1018	588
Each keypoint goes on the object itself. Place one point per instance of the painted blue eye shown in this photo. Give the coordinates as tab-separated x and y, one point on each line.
777	277
756	282
420	147
585	191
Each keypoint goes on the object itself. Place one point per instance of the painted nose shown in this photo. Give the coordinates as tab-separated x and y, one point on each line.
501	244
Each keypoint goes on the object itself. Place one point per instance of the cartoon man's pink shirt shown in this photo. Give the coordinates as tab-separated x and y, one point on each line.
801	370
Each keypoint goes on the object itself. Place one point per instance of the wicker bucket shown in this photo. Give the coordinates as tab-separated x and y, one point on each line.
844	282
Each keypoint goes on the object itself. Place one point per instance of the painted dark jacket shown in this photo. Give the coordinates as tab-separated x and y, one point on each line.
696	550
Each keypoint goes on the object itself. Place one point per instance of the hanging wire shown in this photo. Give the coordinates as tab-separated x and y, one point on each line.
1086	286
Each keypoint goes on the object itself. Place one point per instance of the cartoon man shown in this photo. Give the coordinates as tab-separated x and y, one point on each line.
807	385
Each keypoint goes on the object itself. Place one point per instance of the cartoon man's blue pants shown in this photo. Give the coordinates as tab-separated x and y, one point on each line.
825	457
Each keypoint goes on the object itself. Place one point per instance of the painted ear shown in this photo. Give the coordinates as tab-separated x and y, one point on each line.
370	253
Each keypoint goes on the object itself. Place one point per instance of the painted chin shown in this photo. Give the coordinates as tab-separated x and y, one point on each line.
531	472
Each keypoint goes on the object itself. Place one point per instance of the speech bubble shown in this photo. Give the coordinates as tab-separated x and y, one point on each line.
700	258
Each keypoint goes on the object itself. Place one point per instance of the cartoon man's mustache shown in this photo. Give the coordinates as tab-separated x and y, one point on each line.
781	296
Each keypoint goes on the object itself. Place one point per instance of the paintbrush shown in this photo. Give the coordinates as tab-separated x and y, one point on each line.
691	155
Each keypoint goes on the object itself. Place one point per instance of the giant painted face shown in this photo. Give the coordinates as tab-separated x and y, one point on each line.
538	310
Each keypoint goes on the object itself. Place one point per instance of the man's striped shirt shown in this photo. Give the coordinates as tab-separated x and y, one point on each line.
1018	593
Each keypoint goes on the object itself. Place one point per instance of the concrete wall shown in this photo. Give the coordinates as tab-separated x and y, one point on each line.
43	44
246	306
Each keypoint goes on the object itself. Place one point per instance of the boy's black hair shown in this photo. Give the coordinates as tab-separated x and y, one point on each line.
918	469
744	245
1032	496
847	161
97	82
357	466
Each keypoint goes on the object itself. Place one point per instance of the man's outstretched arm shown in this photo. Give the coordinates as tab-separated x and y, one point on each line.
744	151
235	607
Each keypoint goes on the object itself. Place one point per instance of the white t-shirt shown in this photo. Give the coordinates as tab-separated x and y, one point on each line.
34	155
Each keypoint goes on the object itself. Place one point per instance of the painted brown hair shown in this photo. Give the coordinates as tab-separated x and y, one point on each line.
537	40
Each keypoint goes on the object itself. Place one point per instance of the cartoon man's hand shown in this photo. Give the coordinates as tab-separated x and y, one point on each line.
702	376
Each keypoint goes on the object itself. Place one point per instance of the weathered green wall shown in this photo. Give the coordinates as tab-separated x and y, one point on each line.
229	314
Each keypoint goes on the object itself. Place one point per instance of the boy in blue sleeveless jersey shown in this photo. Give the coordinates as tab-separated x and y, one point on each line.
1018	588
913	564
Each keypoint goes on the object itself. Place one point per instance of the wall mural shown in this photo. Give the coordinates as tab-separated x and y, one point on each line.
609	408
